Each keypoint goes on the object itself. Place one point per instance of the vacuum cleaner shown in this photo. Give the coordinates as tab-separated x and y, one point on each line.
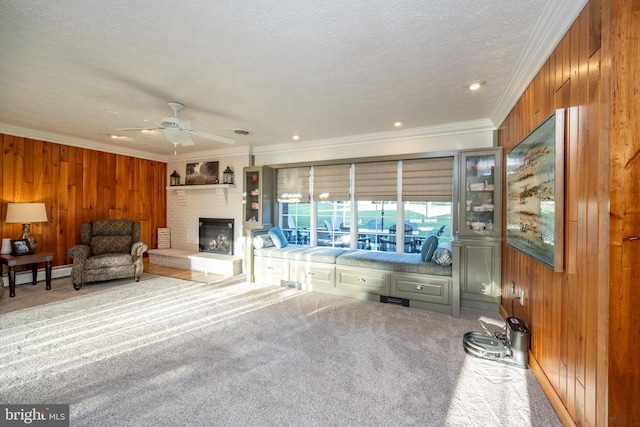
511	348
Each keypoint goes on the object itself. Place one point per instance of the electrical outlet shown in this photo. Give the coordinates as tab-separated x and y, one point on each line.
522	297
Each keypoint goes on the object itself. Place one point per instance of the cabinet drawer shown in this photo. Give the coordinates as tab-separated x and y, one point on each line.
313	277
370	281
270	270
420	287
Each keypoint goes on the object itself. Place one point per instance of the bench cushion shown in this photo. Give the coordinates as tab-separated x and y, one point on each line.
391	261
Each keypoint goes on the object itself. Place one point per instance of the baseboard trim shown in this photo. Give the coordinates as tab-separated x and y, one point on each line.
23	277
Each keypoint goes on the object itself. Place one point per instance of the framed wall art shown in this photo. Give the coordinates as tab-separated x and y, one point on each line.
202	173
535	193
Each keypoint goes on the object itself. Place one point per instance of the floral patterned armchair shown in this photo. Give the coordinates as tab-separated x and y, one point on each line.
109	249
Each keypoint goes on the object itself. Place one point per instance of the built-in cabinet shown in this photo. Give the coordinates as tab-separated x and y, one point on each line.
258	197
480	227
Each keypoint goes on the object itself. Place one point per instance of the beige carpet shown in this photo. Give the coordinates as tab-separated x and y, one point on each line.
168	352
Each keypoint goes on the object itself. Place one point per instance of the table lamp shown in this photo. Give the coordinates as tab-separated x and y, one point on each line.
25	214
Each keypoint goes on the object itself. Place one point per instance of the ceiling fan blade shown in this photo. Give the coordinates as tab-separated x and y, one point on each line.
186	142
130	129
213	137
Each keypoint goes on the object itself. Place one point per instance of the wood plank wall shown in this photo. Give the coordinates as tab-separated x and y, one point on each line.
623	380
79	185
585	333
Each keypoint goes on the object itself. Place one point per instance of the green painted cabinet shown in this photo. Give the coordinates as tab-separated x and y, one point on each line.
480	228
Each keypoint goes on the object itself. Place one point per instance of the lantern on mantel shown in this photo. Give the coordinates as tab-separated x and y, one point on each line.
175	179
227	176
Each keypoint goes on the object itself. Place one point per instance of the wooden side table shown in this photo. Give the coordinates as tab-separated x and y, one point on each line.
33	259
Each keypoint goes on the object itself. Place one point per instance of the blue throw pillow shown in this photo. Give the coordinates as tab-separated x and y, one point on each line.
443	254
278	237
428	247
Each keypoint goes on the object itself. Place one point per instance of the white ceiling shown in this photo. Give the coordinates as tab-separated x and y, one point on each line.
74	71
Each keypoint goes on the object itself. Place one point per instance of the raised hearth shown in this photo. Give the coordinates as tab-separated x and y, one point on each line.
226	265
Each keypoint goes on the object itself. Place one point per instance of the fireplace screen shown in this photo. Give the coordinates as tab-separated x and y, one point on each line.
216	235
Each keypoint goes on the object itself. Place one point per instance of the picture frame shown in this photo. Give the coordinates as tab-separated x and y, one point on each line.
21	247
203	173
535	193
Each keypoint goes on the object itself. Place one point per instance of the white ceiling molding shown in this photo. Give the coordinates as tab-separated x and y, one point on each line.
80	143
557	18
389	137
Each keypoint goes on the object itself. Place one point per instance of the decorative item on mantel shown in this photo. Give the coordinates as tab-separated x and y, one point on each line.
175	179
227	176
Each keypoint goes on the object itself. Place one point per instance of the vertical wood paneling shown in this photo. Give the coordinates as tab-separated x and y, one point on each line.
624	327
563	312
79	185
585	327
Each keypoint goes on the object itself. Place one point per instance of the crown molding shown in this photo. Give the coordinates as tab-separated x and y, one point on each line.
77	142
556	19
218	154
470	126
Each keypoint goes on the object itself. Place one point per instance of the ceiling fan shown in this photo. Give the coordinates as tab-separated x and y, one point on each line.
179	131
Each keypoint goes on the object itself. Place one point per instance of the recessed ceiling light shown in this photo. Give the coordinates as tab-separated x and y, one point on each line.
296	137
241	132
476	85
398	123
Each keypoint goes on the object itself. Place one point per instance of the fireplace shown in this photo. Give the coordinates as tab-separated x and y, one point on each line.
216	235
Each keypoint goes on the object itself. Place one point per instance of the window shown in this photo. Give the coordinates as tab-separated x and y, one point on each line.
361	205
293	197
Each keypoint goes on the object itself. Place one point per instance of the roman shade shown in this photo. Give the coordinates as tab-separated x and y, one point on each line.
332	182
376	181
293	184
427	179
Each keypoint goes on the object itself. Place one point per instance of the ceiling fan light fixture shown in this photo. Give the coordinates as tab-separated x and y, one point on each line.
176	136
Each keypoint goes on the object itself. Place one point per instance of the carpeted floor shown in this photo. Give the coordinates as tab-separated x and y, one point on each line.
169	352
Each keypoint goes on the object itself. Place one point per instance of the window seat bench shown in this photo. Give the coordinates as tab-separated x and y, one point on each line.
377	276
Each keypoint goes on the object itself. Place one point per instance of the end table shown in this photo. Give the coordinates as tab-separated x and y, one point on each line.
33	259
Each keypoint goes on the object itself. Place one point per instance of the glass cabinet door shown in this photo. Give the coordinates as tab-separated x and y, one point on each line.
252	196
257	194
481	193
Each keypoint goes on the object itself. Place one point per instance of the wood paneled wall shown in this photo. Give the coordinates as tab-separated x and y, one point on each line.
585	333
78	185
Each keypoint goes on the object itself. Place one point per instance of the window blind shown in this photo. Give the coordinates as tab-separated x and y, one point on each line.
427	179
293	184
331	182
376	181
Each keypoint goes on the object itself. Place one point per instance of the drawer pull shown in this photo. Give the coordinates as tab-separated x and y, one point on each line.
361	280
311	273
269	268
418	287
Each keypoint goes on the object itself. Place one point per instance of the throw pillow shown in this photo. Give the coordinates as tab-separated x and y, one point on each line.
428	247
262	241
278	237
443	254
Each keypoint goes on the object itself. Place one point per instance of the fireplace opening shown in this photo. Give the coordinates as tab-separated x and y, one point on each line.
216	235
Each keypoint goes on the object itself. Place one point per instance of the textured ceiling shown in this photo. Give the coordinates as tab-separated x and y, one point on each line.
75	71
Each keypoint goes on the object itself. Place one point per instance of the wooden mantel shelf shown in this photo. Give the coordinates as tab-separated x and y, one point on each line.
182	190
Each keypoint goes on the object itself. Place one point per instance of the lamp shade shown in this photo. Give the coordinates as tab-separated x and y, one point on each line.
26	213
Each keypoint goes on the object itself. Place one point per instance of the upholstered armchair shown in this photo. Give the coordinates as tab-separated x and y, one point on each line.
109	249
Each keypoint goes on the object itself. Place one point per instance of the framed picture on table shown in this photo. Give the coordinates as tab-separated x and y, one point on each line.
20	247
